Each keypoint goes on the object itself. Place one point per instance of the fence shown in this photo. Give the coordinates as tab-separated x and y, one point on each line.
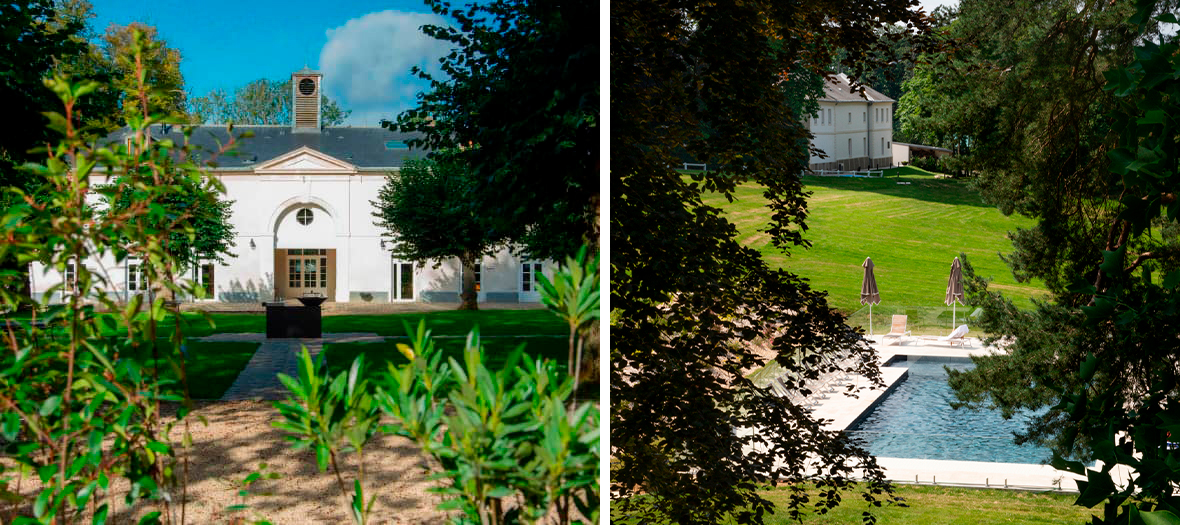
844	173
920	320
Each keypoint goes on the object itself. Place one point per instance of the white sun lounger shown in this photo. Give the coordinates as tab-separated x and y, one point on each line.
897	330
955	336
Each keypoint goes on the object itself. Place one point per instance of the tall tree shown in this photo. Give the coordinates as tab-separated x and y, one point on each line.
519	94
688	429
424	207
262	101
161	66
34	39
1110	341
198	218
1024	100
99	112
32	45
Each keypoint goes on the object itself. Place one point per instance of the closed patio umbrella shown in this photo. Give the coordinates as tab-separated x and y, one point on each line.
868	290
954	288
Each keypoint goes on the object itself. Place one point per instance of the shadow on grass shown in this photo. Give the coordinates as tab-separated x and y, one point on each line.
943	191
212	367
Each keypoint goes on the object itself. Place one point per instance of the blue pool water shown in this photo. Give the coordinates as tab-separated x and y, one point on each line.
916	421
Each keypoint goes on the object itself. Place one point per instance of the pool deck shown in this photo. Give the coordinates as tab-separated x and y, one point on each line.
843	411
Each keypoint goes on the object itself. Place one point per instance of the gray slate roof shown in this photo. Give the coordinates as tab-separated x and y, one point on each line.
841	91
363	147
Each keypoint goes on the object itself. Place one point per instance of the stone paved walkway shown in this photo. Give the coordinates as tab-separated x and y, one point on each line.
259	379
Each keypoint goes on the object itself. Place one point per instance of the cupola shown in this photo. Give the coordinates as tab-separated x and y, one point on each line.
305	97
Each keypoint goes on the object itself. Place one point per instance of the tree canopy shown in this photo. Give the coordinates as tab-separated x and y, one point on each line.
32	47
424	209
198	219
518	99
261	102
688	429
1069	109
161	70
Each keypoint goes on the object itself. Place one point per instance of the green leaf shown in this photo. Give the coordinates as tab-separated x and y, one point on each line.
100	516
1112	262
1171	279
1089	365
1097	487
50	405
1159	517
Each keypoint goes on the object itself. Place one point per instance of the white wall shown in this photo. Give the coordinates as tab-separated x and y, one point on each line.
264	213
833	137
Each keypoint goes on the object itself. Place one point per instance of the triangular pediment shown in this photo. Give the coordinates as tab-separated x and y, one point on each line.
304	160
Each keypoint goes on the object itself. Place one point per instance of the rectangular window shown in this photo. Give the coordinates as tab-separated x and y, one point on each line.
829	116
323	272
294	275
403	281
478	276
206	279
849	117
136	278
528	276
309	273
71	278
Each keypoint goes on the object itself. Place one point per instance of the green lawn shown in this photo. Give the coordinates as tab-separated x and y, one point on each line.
447	322
912	232
339	356
213	367
928	505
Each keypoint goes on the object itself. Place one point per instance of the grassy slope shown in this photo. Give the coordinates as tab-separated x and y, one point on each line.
945	506
912	232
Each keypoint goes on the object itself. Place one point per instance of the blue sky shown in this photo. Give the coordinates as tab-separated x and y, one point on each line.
364	48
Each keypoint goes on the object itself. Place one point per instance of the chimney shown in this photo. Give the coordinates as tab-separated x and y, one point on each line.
305	106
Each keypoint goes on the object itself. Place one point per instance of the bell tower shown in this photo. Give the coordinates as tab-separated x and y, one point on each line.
305	101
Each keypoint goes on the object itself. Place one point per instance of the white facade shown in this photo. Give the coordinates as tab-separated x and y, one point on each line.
304	223
854	130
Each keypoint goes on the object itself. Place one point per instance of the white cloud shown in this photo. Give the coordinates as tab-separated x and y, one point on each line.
366	62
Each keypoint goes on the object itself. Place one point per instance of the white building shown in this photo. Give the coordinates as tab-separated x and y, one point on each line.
902	152
304	220
854	130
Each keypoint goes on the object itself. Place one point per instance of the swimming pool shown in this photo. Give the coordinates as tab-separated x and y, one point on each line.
915	420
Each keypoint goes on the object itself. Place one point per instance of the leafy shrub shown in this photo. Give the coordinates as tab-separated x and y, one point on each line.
77	408
505	440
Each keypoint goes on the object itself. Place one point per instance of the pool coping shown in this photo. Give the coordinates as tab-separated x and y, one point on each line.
842	412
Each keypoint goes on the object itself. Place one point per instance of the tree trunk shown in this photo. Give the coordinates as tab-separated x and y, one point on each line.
468	299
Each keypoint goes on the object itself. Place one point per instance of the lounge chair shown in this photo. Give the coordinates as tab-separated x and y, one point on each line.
955	336
898	330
